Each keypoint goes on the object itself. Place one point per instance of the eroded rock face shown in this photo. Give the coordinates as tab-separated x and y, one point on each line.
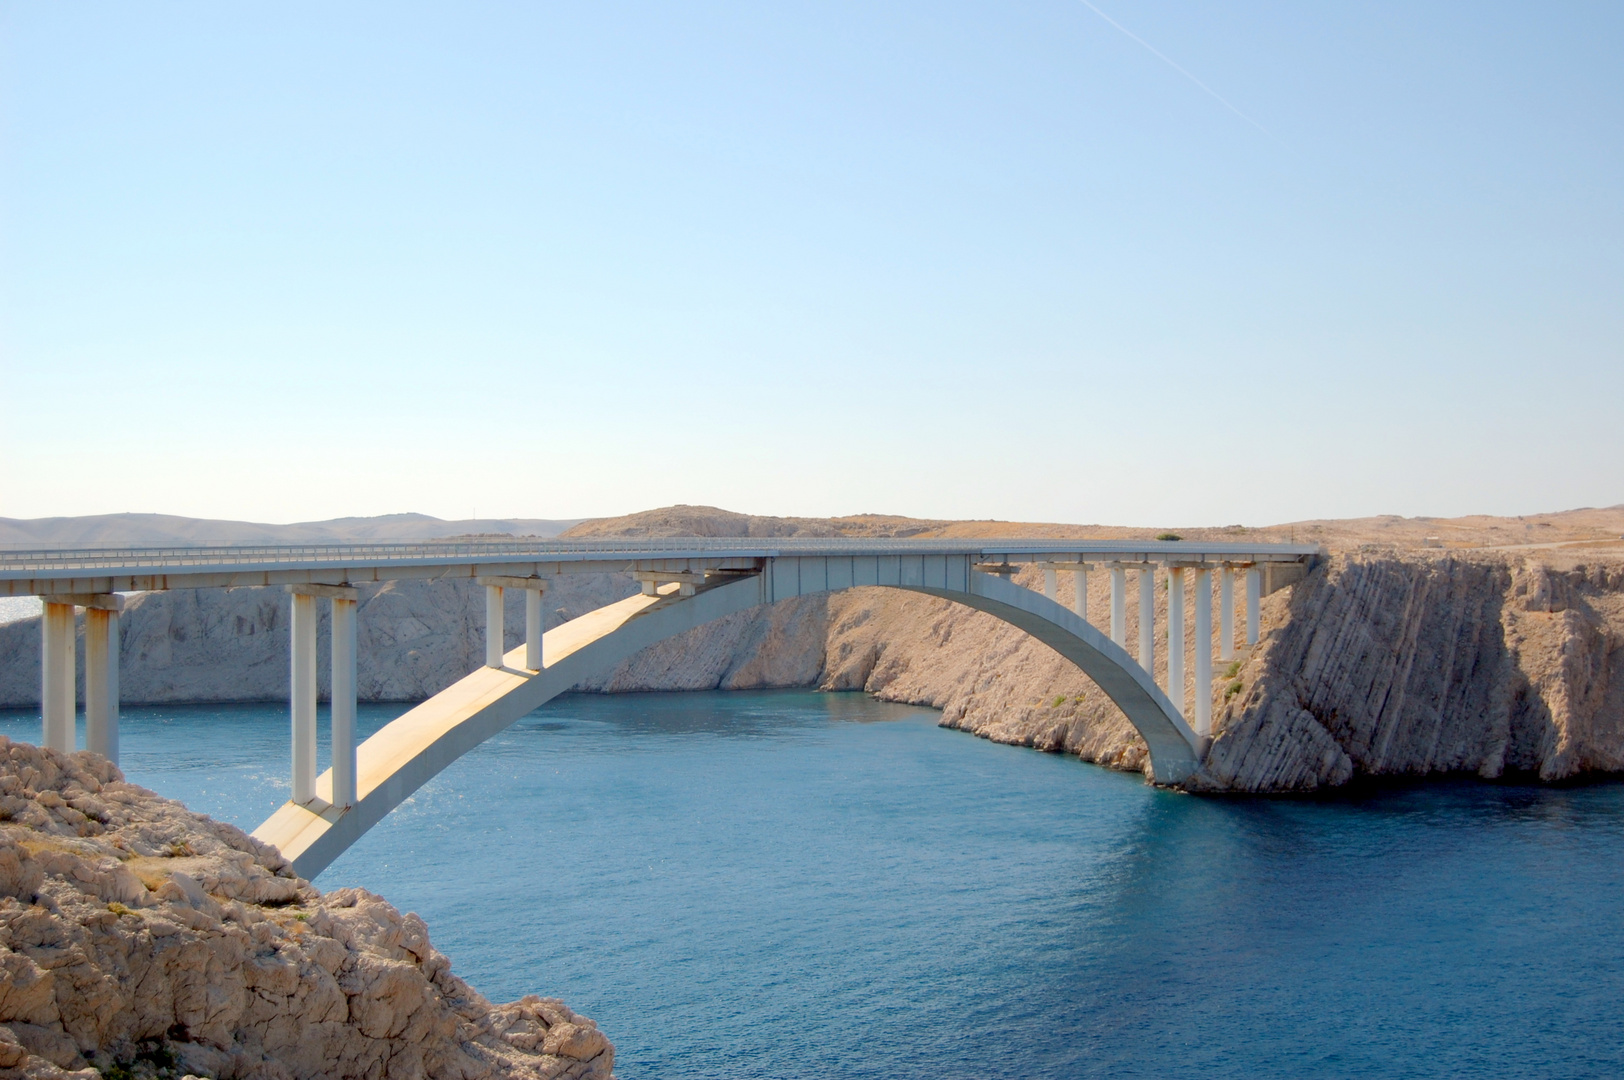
134	933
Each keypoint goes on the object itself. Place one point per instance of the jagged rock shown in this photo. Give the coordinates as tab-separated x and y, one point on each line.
134	932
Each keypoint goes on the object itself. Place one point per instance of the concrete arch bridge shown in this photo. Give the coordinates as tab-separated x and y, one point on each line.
684	584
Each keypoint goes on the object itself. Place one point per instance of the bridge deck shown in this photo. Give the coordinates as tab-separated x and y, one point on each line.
144	569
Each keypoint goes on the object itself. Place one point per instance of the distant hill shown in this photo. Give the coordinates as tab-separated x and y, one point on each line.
113	529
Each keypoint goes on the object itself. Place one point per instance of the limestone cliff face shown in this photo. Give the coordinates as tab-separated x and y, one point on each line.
135	934
1389	665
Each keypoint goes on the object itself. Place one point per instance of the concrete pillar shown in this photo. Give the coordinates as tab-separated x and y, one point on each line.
1051	583
302	702
343	714
1226	613
1175	637
1147	621
101	682
1254	593
1079	593
1119	586
532	629
493	626
57	689
1203	653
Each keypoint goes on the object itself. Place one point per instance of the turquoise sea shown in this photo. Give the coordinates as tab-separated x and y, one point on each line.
807	885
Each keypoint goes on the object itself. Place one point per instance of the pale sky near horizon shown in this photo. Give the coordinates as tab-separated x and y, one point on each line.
959	260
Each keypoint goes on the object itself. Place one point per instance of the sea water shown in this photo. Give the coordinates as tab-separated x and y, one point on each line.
822	885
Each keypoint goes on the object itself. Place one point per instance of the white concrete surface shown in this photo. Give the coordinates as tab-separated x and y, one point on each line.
343	702
1175	636
534	650
58	691
493	626
1226	612
1203	653
1254	594
101	682
1147	619
302	696
1079	593
1119	614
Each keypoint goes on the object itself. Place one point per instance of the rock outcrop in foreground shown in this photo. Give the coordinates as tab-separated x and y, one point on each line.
140	939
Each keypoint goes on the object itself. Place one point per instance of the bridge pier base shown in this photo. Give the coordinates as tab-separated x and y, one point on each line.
1175	637
1079	592
493	626
1119	587
1147	621
532	629
1226	612
101	676
302	697
1203	653
1254	593
58	689
343	708
534	588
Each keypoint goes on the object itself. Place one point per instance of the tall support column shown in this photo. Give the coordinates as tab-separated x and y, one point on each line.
343	712
101	678
1175	636
1119	586
493	626
302	700
56	677
1147	621
532	629
1254	592
1051	583
1079	593
1226	613
1203	653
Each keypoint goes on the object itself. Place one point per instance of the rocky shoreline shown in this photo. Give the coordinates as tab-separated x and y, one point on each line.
140	939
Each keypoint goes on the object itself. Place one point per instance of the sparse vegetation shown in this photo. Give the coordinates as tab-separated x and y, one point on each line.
1232	689
1060	699
180	849
1169	536
117	908
1232	670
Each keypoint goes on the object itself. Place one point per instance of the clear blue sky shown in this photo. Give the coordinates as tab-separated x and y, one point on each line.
287	262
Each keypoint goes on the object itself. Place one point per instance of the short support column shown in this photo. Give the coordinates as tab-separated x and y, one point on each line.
493	626
1203	653
343	712
1119	586
101	677
1147	621
302	700
534	588
1079	593
1226	613
57	690
1051	583
1254	593
1175	637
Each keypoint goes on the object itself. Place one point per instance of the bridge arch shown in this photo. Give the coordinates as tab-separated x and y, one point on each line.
412	749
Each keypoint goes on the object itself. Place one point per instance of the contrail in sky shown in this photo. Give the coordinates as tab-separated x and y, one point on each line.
1169	62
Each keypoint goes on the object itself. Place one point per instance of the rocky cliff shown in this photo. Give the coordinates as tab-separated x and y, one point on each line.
140	939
